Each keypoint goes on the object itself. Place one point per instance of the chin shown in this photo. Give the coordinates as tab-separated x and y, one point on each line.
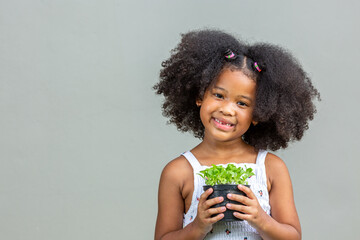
224	138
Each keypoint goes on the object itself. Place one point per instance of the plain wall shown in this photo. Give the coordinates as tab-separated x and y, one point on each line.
82	137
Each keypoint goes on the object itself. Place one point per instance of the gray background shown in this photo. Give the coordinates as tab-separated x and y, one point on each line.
82	138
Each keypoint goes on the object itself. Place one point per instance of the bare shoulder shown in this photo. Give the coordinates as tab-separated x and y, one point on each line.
275	168
177	170
274	160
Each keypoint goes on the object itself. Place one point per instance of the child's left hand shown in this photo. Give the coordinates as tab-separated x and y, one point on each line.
251	211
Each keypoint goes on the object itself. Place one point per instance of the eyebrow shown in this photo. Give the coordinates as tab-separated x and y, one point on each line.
243	96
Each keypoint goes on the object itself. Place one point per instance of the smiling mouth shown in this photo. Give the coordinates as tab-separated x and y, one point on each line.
223	123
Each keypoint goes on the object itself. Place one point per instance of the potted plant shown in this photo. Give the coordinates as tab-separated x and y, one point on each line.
223	181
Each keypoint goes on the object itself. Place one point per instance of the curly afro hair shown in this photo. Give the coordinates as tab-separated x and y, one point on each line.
284	92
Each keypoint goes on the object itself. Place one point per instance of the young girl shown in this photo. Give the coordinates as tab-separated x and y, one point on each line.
240	100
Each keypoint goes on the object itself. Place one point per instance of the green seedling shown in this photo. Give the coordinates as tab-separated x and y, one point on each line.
230	175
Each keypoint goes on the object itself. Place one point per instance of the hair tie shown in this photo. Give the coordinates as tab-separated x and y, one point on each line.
230	54
257	66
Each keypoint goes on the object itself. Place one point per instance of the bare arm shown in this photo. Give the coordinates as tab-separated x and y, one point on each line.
283	224
284	221
171	206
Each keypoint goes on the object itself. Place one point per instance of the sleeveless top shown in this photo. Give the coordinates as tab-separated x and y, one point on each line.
239	230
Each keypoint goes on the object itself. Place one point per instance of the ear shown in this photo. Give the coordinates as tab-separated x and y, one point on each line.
198	102
254	123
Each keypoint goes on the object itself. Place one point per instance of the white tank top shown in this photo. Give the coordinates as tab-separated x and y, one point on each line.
239	230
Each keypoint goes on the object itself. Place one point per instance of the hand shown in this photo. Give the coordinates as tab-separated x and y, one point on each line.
251	211
203	218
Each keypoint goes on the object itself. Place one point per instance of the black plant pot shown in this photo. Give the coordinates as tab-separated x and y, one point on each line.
223	190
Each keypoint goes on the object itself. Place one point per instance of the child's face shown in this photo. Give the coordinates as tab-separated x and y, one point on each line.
227	107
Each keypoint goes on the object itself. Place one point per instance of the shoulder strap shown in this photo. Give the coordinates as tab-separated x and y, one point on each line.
260	160
261	171
192	160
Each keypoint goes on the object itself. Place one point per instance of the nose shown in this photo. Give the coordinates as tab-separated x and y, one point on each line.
227	108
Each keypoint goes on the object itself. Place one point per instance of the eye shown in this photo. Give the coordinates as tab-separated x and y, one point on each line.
242	104
218	95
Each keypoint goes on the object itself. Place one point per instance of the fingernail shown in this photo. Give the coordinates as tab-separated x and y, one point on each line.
228	205
229	195
221	199
223	208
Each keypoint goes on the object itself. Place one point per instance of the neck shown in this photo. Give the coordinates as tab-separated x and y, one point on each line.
224	149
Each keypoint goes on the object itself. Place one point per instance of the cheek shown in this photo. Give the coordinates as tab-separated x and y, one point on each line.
205	112
246	115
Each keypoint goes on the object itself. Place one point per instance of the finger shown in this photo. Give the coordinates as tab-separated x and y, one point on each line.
216	218
202	199
205	195
241	216
238	208
213	201
212	211
247	191
239	198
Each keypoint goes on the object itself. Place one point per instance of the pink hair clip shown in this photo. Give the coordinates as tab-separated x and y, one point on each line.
257	66
229	54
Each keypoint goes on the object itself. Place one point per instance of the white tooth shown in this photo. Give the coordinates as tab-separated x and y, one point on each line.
227	124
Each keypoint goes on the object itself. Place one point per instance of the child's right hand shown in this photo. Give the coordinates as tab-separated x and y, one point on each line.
203	219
